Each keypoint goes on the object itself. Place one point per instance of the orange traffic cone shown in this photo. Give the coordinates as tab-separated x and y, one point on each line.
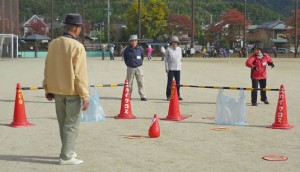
154	130
20	119
125	111
174	111
281	120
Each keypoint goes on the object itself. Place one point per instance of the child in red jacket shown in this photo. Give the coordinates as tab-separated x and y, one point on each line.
258	63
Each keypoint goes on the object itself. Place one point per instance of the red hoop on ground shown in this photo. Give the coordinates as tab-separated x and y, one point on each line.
134	137
219	128
275	158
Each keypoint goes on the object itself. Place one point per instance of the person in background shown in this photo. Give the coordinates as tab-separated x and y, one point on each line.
122	52
173	58
149	52
163	51
230	53
275	52
241	52
188	52
133	58
66	82
224	52
244	52
204	53
103	49
184	52
112	51
215	52
192	52
258	63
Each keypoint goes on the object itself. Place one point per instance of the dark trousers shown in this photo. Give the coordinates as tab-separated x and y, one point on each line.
103	54
262	84
173	74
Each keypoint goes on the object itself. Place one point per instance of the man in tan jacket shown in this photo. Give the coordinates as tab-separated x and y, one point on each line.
65	80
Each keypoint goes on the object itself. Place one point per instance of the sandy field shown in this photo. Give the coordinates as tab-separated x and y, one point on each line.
188	145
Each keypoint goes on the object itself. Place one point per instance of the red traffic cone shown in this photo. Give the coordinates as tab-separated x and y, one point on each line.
281	120
174	111
154	130
20	119
125	111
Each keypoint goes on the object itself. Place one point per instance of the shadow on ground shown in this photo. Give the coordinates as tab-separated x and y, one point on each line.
30	159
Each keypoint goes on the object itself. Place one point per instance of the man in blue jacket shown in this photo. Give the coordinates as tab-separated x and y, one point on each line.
133	58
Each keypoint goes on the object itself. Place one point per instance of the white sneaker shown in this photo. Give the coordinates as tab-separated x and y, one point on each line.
74	155
72	161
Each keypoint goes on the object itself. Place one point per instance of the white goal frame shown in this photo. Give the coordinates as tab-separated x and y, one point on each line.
11	36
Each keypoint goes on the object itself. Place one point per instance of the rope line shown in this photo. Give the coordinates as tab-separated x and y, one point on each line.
192	86
98	85
31	88
231	88
107	85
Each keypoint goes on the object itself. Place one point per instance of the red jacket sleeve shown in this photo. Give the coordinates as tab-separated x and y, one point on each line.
250	60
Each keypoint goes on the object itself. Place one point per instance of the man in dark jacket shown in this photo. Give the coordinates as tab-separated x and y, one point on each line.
133	58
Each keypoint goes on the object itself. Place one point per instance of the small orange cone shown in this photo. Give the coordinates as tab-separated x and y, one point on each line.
125	111
281	119
174	111
154	130
20	119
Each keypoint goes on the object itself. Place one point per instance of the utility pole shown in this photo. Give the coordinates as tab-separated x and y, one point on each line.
52	23
101	24
245	14
296	30
139	19
193	20
108	9
82	28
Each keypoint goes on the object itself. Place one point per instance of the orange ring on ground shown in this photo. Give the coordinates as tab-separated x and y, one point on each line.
134	137
275	158
219	128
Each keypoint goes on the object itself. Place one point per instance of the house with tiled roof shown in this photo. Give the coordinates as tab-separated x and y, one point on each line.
35	25
271	34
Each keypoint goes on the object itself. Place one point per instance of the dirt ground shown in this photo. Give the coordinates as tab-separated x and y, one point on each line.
188	145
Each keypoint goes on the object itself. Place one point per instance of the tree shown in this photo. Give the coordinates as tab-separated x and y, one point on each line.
155	20
86	27
214	33
235	20
179	24
38	27
132	17
291	22
230	27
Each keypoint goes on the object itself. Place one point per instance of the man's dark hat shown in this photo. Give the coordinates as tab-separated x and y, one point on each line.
73	19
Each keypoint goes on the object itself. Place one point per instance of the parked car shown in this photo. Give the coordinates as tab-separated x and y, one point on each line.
282	50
